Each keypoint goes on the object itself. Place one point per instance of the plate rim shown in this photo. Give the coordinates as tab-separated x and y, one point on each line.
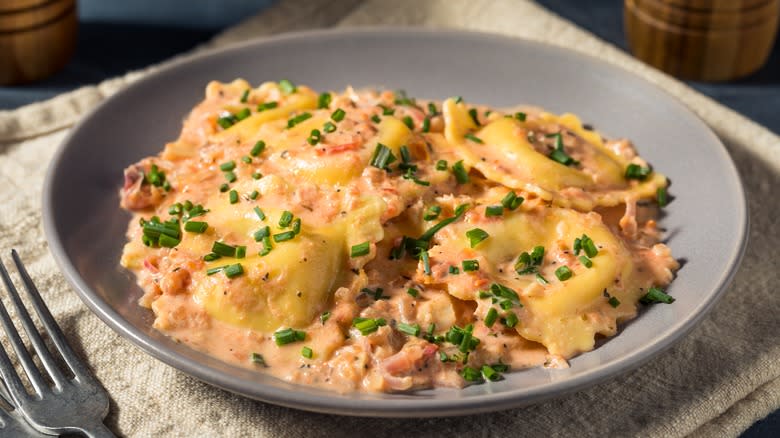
406	408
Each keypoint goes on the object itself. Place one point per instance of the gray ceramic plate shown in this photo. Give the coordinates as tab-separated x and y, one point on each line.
85	226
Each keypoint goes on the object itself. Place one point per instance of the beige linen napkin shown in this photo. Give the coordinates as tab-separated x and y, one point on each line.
719	380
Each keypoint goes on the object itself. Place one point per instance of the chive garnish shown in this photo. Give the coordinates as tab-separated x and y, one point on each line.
213	271
428	234
360	249
541	280
408	122
588	246
240	252
196	227
559	154
296	226
210	257
489	373
227	166
246	159
426	261
588	263
432	109
458	99
368	325
232	271
244	113
476	235
257	149
441	165
520	116
426	125
474	116
258	359
267	247
511	319
329	127
168	241
635	171
325	317
226	121
661	197
281	237
412	292
614	302
287	87
454	270
432	213
288	336
266	106
338	115
223	249
230	176
262	233
387	111
307	352
511	201
300	118
656	295
254	194
461	175
314	137
376	119
470	374
494	210
470	265
233	196
259	213
285	219
491	317
324	99
382	156
474	138
244	96
563	273
409	329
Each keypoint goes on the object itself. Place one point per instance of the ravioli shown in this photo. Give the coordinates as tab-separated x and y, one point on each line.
369	241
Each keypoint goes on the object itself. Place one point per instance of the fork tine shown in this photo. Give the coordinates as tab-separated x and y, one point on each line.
16	342
35	338
13	388
80	370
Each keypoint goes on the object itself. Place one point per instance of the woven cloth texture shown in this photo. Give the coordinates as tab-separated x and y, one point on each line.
717	381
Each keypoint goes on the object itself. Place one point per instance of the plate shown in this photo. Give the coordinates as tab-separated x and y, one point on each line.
85	227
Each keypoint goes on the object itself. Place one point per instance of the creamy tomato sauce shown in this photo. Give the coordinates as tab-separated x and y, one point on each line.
369	241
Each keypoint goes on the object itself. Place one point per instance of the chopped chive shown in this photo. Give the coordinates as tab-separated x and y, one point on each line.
187	205
458	99
489	373
258	359
234	270
314	137
412	291
262	233
494	210
432	213
230	176
635	171
614	302
233	196
563	273
520	116
296	226
387	111
454	270
441	165
281	237
226	121
661	197
213	271
324	99
223	249
329	127
244	113
287	87
577	246
559	154
254	195
408	122
426	262
210	257
428	234
300	118
368	325
476	235
382	156
325	317
258	148
338	115
406	156
541	279
537	255
240	252
511	201
267	247
461	175
511	319
244	96
168	241
656	295
471	375
285	219
491	317
474	138
470	265
259	213
588	246
432	109
307	352
288	336
474	116
246	159
196	227
376	119
588	263
409	329
426	125
266	106
360	249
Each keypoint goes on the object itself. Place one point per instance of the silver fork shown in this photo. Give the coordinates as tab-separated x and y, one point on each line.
75	404
12	423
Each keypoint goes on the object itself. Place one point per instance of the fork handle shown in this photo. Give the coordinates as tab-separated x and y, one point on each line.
98	430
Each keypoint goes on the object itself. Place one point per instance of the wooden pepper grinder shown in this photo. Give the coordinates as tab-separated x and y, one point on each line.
707	40
37	38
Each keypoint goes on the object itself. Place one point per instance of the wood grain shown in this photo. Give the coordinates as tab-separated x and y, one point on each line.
692	42
37	38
